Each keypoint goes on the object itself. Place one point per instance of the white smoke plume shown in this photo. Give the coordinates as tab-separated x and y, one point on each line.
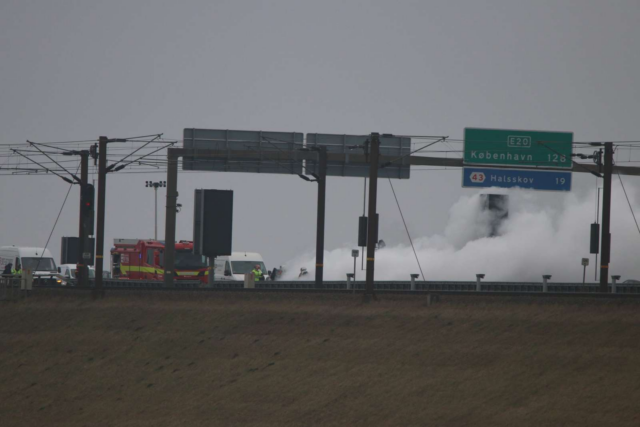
534	241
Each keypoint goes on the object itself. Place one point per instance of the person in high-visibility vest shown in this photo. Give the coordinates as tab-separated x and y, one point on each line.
17	271
257	273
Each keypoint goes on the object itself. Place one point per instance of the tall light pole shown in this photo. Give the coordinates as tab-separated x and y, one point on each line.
155	185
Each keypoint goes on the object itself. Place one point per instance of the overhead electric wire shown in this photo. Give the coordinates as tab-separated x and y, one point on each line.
26	150
91	141
52	162
155	135
49	146
148	164
438	137
58	217
17	168
625	195
8	158
62	167
407	229
57	161
31	160
410	153
451	151
58	142
132	153
155	160
444	168
57	154
572	161
142	157
593	143
454	140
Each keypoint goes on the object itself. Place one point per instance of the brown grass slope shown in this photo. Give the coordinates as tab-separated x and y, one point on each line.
256	360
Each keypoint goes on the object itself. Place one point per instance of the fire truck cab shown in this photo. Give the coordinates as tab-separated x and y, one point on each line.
139	259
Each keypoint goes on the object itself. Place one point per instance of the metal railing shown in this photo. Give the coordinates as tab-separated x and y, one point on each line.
438	286
414	286
10	288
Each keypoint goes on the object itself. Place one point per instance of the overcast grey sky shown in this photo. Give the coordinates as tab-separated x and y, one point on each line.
75	70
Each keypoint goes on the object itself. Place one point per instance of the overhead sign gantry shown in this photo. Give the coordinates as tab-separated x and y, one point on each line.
284	152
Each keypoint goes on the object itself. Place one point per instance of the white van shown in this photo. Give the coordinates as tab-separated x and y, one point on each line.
38	260
68	274
234	267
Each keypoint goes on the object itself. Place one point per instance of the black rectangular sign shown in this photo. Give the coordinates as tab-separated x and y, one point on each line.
213	222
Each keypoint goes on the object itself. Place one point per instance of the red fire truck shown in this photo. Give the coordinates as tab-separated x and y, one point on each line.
138	259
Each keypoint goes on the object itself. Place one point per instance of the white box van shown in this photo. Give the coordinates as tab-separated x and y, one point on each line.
38	260
234	267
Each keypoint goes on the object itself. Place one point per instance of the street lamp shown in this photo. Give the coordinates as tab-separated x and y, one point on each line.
155	185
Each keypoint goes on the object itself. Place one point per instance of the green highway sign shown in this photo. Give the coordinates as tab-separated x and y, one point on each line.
518	148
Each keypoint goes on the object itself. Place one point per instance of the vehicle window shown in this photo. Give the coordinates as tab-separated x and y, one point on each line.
244	267
150	254
187	260
38	264
227	266
115	261
92	273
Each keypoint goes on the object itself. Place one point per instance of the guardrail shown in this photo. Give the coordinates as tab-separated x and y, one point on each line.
395	286
10	288
436	286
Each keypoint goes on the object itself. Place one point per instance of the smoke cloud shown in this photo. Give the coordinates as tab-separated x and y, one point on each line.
533	240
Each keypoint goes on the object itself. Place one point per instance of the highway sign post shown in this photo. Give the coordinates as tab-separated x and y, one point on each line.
522	178
518	148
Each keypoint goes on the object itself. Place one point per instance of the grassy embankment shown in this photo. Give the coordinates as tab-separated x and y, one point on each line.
237	359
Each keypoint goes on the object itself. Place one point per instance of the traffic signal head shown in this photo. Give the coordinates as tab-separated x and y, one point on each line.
87	198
